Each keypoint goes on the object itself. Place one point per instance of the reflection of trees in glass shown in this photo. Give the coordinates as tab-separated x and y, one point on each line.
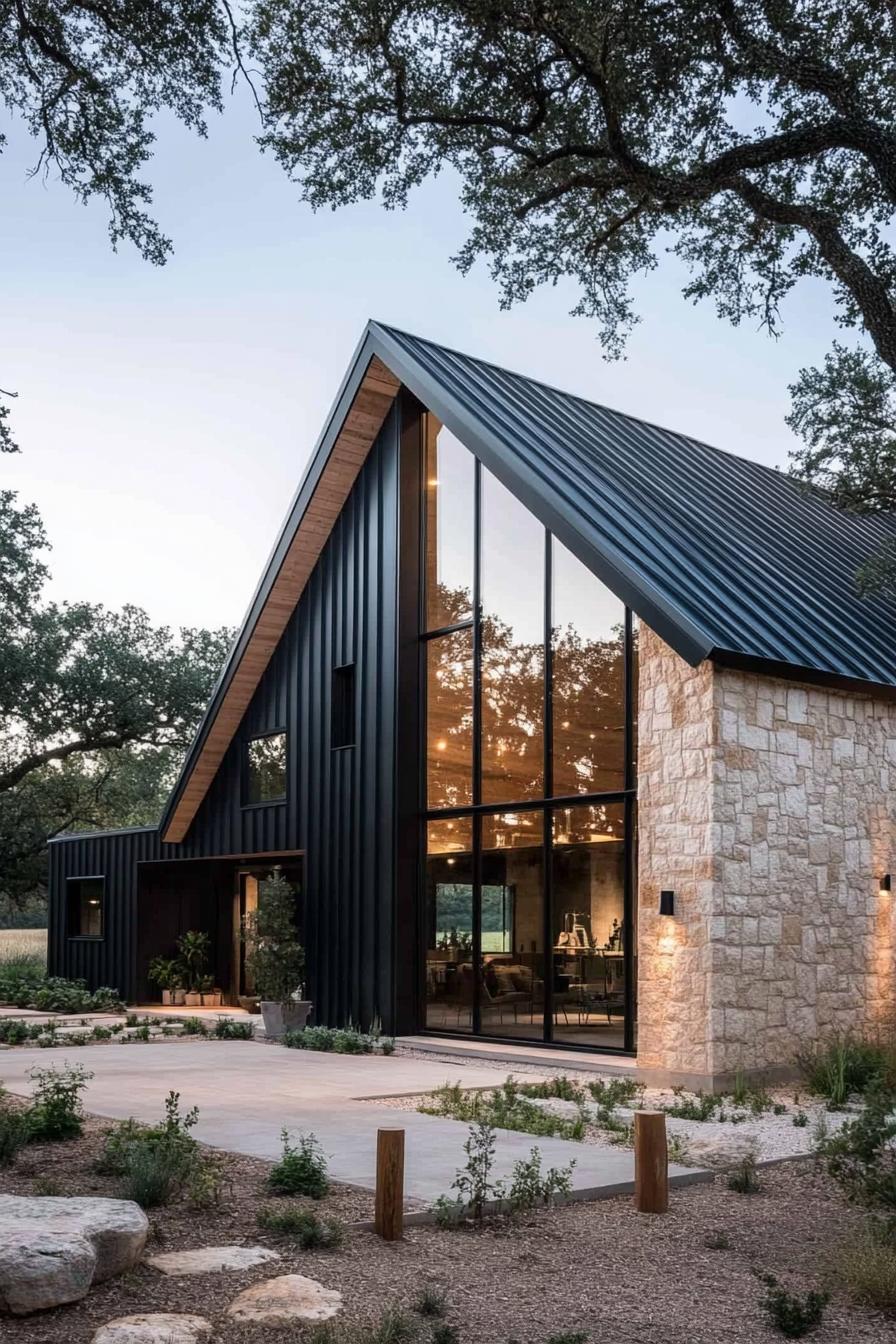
454	916
589	713
267	768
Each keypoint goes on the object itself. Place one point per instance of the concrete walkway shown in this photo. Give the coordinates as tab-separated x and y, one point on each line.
248	1092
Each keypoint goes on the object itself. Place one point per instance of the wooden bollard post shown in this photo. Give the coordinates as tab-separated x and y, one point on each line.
389	1209
651	1162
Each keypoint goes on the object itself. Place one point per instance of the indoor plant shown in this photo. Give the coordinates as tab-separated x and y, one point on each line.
193	949
275	958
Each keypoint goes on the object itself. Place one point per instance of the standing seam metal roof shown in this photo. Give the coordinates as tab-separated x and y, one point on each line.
759	567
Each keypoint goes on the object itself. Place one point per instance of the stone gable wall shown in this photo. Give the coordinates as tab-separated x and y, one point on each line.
770	808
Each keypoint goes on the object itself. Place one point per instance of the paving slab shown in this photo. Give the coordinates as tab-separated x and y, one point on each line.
248	1092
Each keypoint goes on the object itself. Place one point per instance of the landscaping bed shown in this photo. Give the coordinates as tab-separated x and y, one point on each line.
601	1269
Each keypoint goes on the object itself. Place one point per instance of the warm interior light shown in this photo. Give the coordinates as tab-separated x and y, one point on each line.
441	745
885	883
667	902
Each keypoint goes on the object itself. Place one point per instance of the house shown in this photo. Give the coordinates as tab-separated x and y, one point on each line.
568	728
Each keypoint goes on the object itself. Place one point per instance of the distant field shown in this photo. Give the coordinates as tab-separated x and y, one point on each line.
23	944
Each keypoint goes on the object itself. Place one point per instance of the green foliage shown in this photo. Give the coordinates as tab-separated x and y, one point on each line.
311	1233
159	1163
843	1065
228	1029
861	1155
530	1188
744	1179
717	1241
194	1026
53	994
193	949
302	1170
443	1332
340	1040
693	1106
56	1111
164	972
792	1315
504	1107
473	1183
431	1301
800	1120
568	1337
474	1188
15	1132
275	958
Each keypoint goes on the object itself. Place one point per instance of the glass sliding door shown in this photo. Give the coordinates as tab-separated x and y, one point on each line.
529	666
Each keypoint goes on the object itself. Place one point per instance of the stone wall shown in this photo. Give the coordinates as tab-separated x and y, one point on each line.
770	808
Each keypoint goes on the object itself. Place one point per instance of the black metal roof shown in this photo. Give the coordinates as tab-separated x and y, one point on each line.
725	558
722	557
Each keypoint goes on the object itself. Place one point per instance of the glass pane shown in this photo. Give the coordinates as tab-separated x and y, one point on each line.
512	648
449	720
266	769
588	680
512	994
449	924
85	913
588	871
449	528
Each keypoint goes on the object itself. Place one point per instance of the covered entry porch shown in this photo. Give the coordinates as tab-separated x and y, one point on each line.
210	896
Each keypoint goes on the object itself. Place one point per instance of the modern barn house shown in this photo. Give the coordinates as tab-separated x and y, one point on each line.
569	730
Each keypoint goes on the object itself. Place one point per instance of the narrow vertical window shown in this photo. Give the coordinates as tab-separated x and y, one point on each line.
85	897
342	707
449	528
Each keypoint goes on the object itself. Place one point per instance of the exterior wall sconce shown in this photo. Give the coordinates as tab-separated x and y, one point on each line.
885	883
667	902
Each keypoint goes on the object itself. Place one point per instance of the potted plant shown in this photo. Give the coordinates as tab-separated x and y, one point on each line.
193	949
275	959
163	972
211	997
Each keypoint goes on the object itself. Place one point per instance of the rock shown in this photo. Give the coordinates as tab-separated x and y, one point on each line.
53	1249
722	1152
156	1327
212	1259
286	1299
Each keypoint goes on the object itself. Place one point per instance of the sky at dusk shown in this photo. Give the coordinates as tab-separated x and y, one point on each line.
166	415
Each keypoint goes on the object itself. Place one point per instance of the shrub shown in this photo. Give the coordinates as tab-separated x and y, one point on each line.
792	1315
845	1064
529	1188
194	1026
615	1092
53	994
502	1108
866	1268
228	1029
341	1040
302	1170
311	1232
14	1133
800	1120
717	1241
568	1337
698	1106
430	1301
474	1187
275	958
56	1112
861	1155
745	1179
158	1163
443	1332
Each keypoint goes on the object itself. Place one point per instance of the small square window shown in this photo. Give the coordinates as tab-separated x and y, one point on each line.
266	769
86	898
342	707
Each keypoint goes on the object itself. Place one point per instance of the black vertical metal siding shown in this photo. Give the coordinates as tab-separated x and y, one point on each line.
340	804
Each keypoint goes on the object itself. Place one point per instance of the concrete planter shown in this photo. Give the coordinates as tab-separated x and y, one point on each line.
193	999
177	997
212	999
166	997
279	1018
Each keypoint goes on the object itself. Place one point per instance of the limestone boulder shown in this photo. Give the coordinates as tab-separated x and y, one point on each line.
285	1300
154	1327
53	1249
212	1259
721	1152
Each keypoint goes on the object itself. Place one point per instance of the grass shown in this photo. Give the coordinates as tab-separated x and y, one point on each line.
843	1065
23	950
430	1301
301	1225
866	1269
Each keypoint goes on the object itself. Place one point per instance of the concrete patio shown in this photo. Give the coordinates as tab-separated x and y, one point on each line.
247	1093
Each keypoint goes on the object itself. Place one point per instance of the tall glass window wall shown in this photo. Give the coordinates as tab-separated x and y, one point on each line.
530	676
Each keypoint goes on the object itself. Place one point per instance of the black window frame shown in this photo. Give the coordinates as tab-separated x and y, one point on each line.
343	707
70	884
547	805
280	799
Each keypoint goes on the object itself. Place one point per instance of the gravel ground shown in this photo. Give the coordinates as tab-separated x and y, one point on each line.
775	1136
599	1268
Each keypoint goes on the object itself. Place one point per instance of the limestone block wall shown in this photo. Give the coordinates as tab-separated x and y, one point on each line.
770	808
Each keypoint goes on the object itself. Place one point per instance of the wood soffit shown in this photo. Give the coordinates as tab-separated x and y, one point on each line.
363	422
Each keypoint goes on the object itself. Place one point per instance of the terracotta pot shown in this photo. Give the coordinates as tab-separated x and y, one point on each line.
279	1018
166	996
212	999
192	998
177	997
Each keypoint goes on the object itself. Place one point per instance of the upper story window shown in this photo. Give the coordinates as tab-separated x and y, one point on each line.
342	707
265	777
85	898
